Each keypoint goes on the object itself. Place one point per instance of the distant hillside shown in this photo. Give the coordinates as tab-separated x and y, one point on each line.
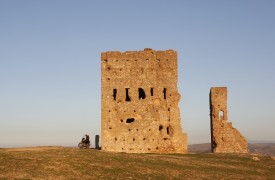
262	148
199	148
258	148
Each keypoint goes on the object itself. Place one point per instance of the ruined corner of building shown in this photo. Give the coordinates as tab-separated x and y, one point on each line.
139	103
224	138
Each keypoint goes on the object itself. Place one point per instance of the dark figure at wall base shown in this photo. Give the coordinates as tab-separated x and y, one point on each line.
85	142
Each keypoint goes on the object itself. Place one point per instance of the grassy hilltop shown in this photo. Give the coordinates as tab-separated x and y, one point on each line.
71	163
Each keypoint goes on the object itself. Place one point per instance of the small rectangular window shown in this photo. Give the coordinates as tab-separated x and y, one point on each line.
164	93
114	93
127	94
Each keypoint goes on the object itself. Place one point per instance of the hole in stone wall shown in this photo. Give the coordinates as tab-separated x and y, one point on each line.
130	120
164	93
127	94
168	109
149	149
158	60
221	114
168	130
114	93
137	129
149	129
116	139
134	139
121	120
147	60
167	59
157	147
110	127
129	129
160	127
152	91
109	68
120	69
141	93
105	60
165	139
109	110
134	110
108	79
144	139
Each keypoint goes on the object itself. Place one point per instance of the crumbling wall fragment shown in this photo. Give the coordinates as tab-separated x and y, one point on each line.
224	138
139	103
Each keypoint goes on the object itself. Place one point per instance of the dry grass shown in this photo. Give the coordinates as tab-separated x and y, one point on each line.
73	163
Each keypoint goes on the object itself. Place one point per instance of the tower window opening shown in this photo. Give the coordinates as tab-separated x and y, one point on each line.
114	93
152	91
221	115
127	94
141	93
164	93
168	130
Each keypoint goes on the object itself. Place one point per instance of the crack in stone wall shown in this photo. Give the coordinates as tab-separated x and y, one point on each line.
139	103
224	138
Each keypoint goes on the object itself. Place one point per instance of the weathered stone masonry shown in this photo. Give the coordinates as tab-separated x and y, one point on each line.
224	138
140	112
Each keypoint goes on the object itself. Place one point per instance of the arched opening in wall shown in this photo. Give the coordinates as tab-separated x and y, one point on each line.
221	114
141	93
152	91
164	93
127	94
130	120
160	127
114	93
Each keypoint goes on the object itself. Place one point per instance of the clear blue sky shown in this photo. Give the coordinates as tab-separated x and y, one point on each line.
50	85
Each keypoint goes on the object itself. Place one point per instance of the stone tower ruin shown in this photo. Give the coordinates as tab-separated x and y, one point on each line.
139	103
224	138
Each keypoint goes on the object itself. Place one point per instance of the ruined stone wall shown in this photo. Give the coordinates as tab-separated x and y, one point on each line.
140	112
224	138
